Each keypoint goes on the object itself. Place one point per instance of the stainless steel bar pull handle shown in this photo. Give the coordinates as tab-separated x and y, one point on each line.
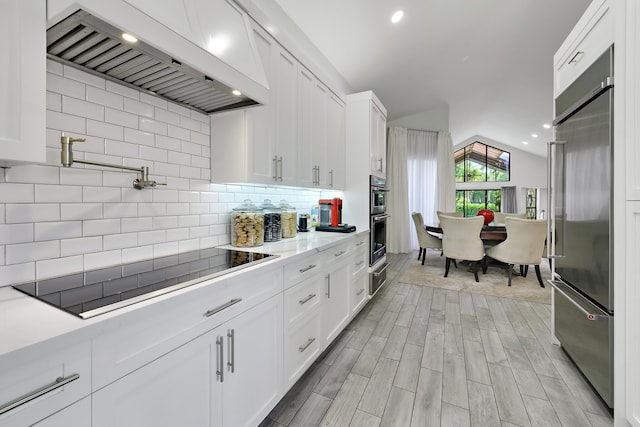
576	57
218	309
331	177
281	168
231	350
307	299
306	345
359	263
328	294
275	168
307	268
59	382
360	243
590	316
337	254
220	359
360	292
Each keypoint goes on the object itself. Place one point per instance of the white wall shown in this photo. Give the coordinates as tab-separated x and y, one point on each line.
527	171
435	119
56	221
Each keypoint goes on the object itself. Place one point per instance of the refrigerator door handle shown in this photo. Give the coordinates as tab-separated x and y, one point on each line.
590	316
552	166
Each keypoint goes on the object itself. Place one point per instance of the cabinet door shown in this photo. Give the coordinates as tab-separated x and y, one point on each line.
378	141
261	149
23	89
320	129
284	97
173	390
336	306
253	362
336	144
306	167
76	415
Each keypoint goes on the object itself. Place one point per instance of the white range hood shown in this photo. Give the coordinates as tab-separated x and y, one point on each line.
194	52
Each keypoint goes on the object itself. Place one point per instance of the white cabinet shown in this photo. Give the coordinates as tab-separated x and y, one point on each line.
76	415
336	311
303	302
312	130
45	380
231	376
336	143
359	276
321	134
592	35
378	141
252	361
259	144
22	82
630	336
170	391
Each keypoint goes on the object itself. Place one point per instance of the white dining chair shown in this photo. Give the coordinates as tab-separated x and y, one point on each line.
461	240
425	240
524	245
498	217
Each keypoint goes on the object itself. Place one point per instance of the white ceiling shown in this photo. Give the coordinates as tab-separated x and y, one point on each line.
491	61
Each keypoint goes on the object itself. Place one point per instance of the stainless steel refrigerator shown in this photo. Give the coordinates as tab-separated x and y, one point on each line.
581	183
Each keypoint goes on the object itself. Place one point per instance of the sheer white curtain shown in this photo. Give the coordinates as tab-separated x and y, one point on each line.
398	228
446	182
422	167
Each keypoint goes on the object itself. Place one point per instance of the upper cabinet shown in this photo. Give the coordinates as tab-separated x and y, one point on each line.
292	139
367	132
378	142
321	138
22	82
592	35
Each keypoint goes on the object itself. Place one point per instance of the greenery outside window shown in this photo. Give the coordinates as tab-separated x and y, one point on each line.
478	162
471	201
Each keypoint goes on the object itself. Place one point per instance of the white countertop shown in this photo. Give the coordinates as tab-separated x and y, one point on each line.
27	322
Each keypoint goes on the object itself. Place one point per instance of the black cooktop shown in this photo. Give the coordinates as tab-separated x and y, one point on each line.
95	292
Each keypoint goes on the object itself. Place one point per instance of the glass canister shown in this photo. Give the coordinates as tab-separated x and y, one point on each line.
247	225
289	220
272	221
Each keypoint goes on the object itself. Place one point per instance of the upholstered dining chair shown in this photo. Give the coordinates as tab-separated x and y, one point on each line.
524	245
453	214
425	240
500	216
461	240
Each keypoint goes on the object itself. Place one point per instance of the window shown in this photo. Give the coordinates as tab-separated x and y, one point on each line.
471	201
532	196
478	162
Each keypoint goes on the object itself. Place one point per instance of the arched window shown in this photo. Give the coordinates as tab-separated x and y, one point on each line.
478	162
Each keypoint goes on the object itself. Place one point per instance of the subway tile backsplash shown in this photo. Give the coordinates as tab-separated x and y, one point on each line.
58	221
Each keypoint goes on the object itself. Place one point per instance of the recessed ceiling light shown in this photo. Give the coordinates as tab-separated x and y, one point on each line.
236	92
546	126
525	142
397	17
534	135
128	37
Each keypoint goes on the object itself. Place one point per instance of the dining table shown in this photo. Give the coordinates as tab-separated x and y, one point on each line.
492	232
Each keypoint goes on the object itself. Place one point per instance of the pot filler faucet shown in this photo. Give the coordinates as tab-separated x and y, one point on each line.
66	157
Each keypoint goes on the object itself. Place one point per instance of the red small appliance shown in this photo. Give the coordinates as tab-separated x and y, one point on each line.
330	212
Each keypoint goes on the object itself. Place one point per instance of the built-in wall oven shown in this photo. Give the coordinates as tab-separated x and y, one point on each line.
378	234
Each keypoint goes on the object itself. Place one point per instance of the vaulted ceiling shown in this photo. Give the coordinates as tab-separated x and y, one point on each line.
489	61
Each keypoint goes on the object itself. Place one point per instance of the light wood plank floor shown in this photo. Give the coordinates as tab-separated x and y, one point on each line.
423	356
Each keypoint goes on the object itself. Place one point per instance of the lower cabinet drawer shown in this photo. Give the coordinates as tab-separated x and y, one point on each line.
41	382
302	345
302	298
359	295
